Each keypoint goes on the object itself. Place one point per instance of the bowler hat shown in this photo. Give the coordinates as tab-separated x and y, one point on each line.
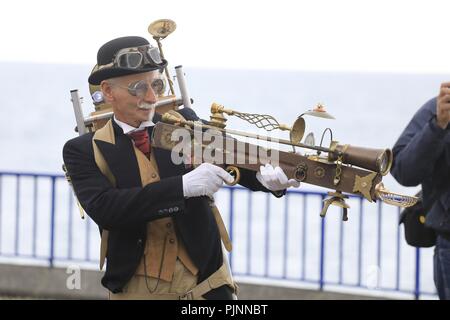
106	55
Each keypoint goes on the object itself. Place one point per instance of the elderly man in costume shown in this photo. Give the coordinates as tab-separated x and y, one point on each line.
163	240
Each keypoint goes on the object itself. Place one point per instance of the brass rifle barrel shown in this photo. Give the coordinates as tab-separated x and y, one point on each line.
192	124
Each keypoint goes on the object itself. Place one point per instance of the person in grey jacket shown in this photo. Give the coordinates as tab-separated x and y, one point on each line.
422	156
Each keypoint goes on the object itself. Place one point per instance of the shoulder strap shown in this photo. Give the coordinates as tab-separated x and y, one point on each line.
106	133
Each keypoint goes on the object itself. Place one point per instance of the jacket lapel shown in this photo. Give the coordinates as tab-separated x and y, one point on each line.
121	158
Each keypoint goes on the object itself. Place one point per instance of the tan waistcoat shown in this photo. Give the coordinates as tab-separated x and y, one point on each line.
163	246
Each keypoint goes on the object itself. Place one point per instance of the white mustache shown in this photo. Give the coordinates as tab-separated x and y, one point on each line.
147	106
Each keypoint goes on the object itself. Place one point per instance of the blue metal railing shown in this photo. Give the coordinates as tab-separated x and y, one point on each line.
52	211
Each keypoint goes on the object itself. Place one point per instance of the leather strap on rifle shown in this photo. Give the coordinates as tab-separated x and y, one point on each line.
221	226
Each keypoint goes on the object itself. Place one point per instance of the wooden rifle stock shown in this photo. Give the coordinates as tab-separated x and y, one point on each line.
212	146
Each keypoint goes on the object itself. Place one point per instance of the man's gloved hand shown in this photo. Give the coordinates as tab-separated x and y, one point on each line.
443	106
275	179
204	180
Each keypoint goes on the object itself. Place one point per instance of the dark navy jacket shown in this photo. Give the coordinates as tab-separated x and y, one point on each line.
422	156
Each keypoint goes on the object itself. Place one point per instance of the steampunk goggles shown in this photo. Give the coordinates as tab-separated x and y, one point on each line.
136	58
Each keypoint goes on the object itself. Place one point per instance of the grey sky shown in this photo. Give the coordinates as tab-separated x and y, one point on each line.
347	35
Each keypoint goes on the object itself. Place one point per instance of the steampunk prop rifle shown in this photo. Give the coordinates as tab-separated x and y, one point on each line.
345	169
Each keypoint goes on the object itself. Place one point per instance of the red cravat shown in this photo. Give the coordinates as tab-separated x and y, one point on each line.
141	140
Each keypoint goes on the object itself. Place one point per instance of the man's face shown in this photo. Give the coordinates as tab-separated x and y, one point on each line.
128	108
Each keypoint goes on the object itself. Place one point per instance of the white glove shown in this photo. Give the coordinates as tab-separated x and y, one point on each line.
275	179
204	180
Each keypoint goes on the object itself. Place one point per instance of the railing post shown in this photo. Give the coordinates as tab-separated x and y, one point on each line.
249	232
286	233
267	237
304	237
417	275
230	225
70	232
17	230
1	175
88	240
397	269
360	239
35	206
52	224
322	252
379	231
341	250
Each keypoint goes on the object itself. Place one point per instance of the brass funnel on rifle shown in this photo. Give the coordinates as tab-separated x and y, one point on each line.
263	121
319	111
160	29
267	122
